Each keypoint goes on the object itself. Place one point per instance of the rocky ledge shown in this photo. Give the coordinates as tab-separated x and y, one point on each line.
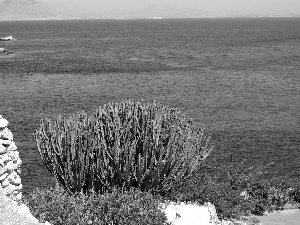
11	213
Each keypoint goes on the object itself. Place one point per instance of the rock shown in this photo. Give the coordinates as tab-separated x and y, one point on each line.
8	190
3	176
9	166
2	149
5	158
193	214
249	220
24	211
12	147
14	155
5	183
18	171
14	178
16	195
17	165
238	222
224	222
2	168
6	134
2	171
3	122
19	162
5	143
13	214
212	211
183	214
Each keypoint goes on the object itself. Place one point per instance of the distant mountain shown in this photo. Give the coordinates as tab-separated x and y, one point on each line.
163	11
27	9
36	10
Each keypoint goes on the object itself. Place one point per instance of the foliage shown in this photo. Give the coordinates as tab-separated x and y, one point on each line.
127	144
273	194
261	193
238	174
128	207
135	207
240	191
227	200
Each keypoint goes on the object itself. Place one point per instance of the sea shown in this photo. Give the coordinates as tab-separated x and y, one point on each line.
238	78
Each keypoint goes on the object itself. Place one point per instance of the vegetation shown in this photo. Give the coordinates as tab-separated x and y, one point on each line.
126	208
118	165
58	207
241	191
124	145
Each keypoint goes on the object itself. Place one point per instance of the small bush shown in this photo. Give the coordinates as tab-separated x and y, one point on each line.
238	175
127	208
273	194
125	145
228	201
260	194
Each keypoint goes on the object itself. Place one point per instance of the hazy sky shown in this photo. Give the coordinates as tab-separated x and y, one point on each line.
233	6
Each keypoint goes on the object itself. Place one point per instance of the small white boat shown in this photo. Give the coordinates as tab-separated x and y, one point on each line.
9	38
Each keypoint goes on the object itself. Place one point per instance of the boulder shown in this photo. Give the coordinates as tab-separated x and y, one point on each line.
5	142
5	133
3	176
11	213
9	166
183	214
8	190
12	147
2	149
14	178
14	156
3	122
193	214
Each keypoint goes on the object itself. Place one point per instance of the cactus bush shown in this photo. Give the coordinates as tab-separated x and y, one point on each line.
129	144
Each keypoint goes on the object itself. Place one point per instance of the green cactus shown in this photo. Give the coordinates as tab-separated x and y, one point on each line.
127	144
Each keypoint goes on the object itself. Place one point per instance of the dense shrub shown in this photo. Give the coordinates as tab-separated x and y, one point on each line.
240	191
127	208
273	194
227	200
127	144
135	207
238	175
261	192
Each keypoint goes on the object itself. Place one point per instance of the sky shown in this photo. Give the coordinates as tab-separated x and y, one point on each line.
230	6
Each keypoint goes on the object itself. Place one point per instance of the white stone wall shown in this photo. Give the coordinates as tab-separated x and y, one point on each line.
10	163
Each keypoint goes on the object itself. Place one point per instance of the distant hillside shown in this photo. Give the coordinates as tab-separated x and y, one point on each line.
26	9
166	12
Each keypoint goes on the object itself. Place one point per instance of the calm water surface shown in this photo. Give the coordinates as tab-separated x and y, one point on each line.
239	78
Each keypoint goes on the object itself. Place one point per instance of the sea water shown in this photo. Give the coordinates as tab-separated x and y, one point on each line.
238	78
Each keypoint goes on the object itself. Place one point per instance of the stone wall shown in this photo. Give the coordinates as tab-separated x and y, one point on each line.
10	163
